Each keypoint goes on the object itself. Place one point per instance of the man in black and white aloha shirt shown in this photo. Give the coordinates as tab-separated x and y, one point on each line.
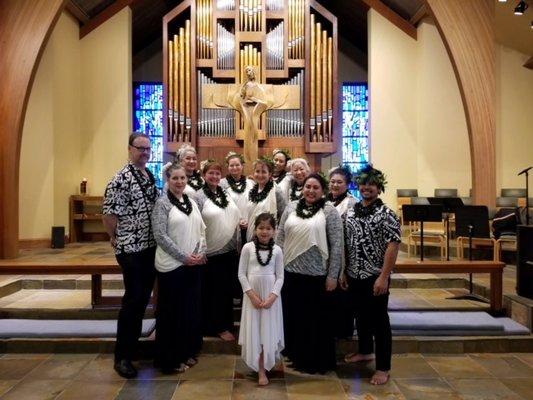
372	235
128	203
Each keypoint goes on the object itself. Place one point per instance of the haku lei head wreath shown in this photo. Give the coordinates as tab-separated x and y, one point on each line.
371	176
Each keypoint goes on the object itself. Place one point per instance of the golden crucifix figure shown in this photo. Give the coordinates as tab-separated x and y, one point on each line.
251	99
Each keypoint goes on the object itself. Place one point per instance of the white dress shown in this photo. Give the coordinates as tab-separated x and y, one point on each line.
261	327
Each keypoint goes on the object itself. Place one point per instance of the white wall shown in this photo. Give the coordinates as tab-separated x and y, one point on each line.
514	129
418	129
77	121
50	149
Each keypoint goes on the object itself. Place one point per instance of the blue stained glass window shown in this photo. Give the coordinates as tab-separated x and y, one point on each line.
148	118
355	133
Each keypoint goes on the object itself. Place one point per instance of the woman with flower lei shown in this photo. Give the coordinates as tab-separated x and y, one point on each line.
339	197
264	195
221	217
237	184
299	170
310	234
188	158
281	159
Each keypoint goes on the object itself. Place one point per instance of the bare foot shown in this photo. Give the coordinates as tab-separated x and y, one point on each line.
263	380
380	378
227	336
356	357
191	362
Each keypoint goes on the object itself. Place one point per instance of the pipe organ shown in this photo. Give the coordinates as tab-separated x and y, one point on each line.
209	45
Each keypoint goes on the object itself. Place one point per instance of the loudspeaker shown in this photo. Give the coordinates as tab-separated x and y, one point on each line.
58	237
524	261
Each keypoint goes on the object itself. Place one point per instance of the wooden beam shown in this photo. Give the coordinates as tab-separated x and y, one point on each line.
25	26
392	16
77	12
108	13
529	63
421	13
467	30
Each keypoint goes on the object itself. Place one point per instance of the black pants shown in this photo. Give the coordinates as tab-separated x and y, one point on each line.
217	293
372	321
307	320
178	319
138	273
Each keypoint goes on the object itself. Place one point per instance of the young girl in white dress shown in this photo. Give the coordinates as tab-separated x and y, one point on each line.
261	276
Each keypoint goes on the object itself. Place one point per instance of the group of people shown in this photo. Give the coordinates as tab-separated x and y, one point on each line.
304	255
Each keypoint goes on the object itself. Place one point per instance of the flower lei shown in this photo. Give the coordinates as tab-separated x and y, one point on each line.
257	197
196	181
337	200
360	211
304	211
219	198
280	177
261	246
296	191
237	186
184	206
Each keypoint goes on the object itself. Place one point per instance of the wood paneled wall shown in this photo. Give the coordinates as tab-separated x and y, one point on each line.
467	29
25	26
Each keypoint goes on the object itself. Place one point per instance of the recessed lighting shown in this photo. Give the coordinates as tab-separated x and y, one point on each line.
521	8
502	1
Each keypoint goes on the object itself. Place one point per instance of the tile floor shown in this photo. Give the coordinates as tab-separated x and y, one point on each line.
414	376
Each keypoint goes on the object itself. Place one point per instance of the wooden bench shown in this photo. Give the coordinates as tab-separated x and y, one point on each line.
494	268
95	268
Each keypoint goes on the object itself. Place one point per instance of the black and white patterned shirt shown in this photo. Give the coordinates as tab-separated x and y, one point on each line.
367	233
131	197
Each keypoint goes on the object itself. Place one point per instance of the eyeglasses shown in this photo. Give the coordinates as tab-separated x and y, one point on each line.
141	148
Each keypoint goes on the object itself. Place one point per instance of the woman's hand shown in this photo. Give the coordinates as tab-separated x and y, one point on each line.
381	285
269	301
254	298
243	224
343	282
331	284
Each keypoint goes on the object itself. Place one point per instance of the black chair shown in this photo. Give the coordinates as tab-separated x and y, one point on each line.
406	192
467	201
513	192
446	193
506	202
419	201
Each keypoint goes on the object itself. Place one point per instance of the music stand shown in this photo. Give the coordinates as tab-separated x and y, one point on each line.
472	221
422	213
449	205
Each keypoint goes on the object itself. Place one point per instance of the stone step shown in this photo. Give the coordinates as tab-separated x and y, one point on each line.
401	345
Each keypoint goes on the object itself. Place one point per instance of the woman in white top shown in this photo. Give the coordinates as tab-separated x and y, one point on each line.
264	195
237	184
187	157
300	169
180	235
338	196
221	217
310	234
281	160
261	277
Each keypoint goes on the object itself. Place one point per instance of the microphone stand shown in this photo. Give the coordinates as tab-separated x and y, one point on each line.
526	172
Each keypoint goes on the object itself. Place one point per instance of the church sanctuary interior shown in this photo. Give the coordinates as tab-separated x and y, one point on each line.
438	94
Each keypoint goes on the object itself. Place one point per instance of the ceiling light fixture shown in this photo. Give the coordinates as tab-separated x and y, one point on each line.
502	1
521	8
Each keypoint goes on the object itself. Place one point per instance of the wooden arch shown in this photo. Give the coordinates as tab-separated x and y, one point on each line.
467	30
25	26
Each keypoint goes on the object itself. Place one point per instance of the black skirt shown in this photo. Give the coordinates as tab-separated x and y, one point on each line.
217	293
307	311
178	317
